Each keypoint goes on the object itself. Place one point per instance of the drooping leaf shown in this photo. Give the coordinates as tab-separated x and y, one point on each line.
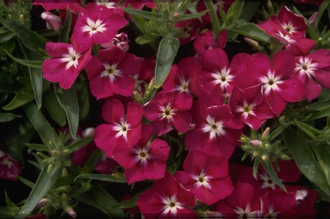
128	203
26	182
192	16
235	10
102	177
309	130
38	147
41	187
145	14
65	33
5	34
322	155
79	144
22	97
54	108
6	117
28	63
319	105
29	38
40	123
305	159
267	165
37	85
69	102
167	51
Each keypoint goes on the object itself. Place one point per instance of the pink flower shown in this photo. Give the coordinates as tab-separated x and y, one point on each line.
121	128
65	63
112	74
143	161
213	133
53	22
190	28
248	107
278	88
166	110
96	25
206	176
205	41
73	5
9	168
167	198
315	65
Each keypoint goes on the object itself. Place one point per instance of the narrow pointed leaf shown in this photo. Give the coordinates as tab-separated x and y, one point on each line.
322	155
69	102
6	117
309	130
37	85
145	14
102	177
235	10
192	16
5	34
167	51
29	38
28	63
43	184
305	159
91	162
38	147
26	182
65	33
79	144
53	107
267	165
22	97
128	203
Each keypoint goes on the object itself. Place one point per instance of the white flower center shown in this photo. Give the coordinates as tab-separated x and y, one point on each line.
271	213
167	112
94	27
122	128
245	213
213	128
268	182
270	82
141	155
171	205
202	180
7	162
111	71
286	37
246	109
106	3
183	87
289	27
222	78
71	58
305	66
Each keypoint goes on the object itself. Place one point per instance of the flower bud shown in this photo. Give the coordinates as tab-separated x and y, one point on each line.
264	157
176	14
64	172
53	22
312	19
71	212
137	97
43	202
265	134
255	143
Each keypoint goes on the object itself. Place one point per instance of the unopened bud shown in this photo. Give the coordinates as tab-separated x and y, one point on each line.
137	97
251	42
176	14
71	212
151	84
312	19
53	22
255	143
265	134
43	202
267	146
50	168
21	18
64	172
255	154
54	152
264	157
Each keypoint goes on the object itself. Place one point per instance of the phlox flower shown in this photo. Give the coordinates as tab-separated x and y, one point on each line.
122	128
73	5
143	161
65	63
205	41
9	167
190	28
167	198
112	74
96	25
166	110
315	65
206	176
277	87
213	133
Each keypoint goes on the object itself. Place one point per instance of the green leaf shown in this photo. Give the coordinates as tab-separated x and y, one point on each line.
252	31
65	33
140	23
235	10
145	14
79	144
28	63
167	51
319	105
54	108
102	177
42	185
309	130
143	39
321	10
323	112
69	102
192	16
91	162
22	97
38	147
26	182
267	165
5	34
128	203
305	159
40	123
250	8
6	117
101	199
37	85
322	155
255	168
29	38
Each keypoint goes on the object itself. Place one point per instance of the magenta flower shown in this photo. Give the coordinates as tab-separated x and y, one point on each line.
167	198
166	110
143	161
315	65
122	128
112	74
96	25
213	133
184	78
205	41
9	167
206	176
73	5
190	28
248	107
65	63
218	76
278	88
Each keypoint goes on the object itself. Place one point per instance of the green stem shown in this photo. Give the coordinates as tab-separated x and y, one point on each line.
214	18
